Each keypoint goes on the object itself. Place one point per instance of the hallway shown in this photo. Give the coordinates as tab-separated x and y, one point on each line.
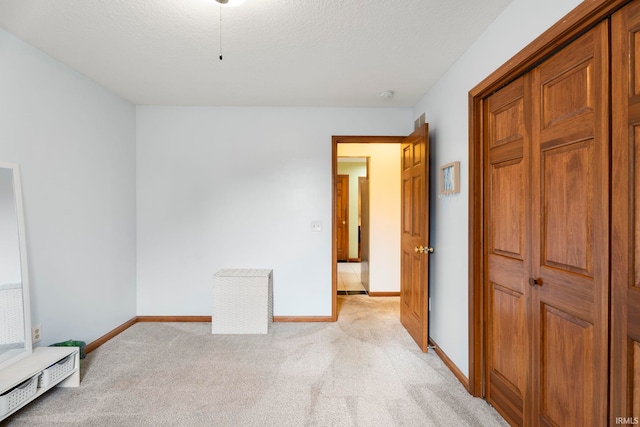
349	282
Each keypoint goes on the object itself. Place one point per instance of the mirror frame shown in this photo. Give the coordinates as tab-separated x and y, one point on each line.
26	302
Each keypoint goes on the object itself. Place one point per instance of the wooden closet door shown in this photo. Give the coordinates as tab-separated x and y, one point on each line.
508	240
625	238
570	253
547	239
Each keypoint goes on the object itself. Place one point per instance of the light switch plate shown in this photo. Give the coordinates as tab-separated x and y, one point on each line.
316	226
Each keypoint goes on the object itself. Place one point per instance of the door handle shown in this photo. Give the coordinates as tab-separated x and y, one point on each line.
423	249
535	282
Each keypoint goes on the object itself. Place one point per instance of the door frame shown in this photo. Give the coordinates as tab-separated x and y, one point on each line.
335	140
584	17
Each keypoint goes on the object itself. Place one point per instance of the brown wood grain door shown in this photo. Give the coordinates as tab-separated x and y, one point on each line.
364	233
342	217
414	264
570	254
625	238
547	233
507	327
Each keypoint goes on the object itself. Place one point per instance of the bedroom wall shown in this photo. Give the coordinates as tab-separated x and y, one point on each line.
446	107
75	144
238	188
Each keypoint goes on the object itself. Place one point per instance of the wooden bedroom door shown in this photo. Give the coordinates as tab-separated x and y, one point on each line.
547	210
342	217
414	261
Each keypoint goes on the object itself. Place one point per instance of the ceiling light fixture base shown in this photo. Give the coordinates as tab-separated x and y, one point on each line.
386	94
230	3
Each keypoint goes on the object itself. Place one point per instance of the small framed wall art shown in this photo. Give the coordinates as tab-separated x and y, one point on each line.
450	178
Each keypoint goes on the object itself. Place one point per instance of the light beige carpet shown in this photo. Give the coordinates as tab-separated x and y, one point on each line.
364	370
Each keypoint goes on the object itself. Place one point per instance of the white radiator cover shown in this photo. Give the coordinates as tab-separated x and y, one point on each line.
242	301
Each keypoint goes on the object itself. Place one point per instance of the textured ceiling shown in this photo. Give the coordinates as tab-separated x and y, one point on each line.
276	52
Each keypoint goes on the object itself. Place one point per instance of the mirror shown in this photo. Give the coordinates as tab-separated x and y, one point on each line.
15	318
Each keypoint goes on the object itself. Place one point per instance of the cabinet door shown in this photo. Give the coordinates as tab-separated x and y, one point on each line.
569	279
625	238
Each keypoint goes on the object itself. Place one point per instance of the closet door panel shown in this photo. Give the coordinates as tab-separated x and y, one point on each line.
507	171
567	343
507	207
625	221
634	401
569	275
568	207
564	97
635	197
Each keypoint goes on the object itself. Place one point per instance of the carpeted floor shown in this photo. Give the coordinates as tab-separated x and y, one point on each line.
364	370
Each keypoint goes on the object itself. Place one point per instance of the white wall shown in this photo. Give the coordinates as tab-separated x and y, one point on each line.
239	187
384	212
75	144
446	107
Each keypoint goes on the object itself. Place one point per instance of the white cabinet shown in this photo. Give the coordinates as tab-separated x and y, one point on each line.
47	367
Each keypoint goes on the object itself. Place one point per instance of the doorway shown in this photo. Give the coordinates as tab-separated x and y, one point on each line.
404	270
351	228
363	253
342	217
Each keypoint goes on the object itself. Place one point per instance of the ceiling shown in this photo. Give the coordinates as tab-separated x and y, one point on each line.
304	53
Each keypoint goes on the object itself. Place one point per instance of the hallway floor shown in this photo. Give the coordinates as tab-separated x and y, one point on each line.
349	282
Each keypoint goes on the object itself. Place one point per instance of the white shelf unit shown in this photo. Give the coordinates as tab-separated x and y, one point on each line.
36	363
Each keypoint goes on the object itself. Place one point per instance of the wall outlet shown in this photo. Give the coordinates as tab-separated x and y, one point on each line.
36	334
316	226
